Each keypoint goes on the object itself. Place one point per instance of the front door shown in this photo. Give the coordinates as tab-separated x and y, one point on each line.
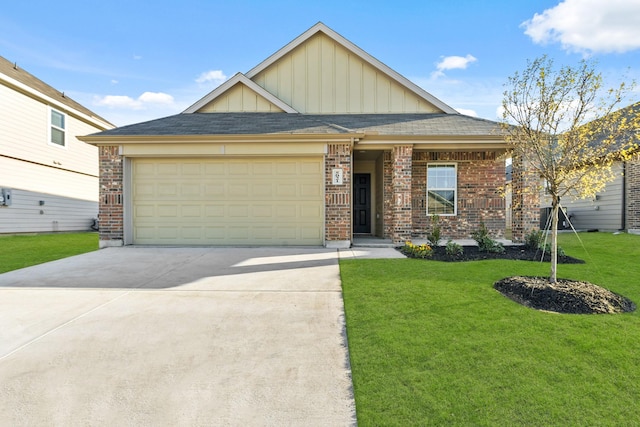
362	203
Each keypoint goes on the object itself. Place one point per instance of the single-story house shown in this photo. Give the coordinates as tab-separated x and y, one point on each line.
317	144
48	177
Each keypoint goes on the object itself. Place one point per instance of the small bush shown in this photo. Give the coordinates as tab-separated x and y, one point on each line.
453	250
534	239
547	249
417	251
486	243
434	235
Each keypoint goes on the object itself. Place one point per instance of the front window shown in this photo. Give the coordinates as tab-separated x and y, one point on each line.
441	189
57	128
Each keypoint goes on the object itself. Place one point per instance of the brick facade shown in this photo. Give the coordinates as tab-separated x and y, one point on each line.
480	198
632	176
110	214
338	197
525	202
401	173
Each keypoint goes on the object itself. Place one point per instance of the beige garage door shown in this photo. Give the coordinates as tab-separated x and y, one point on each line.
247	201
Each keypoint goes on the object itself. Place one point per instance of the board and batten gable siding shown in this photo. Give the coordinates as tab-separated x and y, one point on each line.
25	135
240	98
322	77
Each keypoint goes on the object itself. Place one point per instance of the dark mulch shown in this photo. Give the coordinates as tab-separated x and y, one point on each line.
472	253
564	296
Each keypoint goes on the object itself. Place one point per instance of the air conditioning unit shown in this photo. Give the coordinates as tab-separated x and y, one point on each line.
5	197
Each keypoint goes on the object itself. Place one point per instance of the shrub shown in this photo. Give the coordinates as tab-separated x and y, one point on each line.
417	251
534	239
434	235
453	250
486	243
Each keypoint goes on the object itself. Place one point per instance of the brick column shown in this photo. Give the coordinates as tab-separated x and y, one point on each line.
338	197
401	194
110	215
632	177
525	200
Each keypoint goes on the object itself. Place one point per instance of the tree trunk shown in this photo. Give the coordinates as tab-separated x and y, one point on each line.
554	239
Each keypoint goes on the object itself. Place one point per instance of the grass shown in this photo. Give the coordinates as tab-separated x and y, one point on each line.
19	251
432	343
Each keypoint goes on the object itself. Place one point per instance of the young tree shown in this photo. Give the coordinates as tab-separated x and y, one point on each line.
564	127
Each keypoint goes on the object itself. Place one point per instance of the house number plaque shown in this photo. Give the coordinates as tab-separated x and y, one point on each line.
337	176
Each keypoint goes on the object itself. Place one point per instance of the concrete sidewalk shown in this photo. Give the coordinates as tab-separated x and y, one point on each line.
176	336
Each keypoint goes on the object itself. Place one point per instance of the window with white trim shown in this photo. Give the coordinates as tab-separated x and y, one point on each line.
442	189
57	127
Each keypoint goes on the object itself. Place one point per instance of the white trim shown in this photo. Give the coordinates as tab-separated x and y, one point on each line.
50	111
455	194
320	27
240	78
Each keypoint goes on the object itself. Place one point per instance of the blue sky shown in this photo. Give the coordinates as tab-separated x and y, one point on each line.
137	60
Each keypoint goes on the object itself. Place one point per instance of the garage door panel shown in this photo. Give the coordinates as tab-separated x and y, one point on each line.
228	201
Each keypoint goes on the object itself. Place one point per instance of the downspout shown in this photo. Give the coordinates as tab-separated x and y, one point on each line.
624	196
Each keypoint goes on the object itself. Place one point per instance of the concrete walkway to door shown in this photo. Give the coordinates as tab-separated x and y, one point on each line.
176	336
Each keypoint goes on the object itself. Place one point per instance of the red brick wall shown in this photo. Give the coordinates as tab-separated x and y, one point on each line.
111	197
401	172
338	197
525	202
632	172
481	181
387	204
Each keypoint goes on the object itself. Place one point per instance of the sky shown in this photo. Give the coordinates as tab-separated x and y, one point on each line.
137	60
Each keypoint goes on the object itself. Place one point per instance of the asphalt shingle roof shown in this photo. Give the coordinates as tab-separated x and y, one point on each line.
287	123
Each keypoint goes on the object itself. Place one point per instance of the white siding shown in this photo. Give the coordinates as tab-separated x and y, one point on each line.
603	213
70	199
24	134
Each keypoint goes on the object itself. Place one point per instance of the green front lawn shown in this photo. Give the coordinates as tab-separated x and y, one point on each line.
19	251
432	343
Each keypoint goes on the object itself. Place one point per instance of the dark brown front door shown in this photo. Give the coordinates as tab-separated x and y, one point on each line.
361	203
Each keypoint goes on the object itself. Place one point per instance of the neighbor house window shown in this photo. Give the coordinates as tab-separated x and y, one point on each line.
57	128
441	189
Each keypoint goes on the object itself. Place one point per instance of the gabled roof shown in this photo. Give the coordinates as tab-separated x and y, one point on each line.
338	39
320	27
17	74
239	78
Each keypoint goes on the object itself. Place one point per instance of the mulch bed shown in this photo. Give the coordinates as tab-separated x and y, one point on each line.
472	253
564	296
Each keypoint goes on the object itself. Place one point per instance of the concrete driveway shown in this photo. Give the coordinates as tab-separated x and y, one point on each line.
176	336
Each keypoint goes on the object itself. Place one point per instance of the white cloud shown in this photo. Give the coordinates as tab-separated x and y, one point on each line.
145	100
452	63
216	77
156	98
588	26
455	62
467	112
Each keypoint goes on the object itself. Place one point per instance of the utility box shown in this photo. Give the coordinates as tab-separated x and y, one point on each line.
5	197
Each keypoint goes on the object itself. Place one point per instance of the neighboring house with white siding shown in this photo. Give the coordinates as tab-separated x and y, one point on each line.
617	207
48	178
